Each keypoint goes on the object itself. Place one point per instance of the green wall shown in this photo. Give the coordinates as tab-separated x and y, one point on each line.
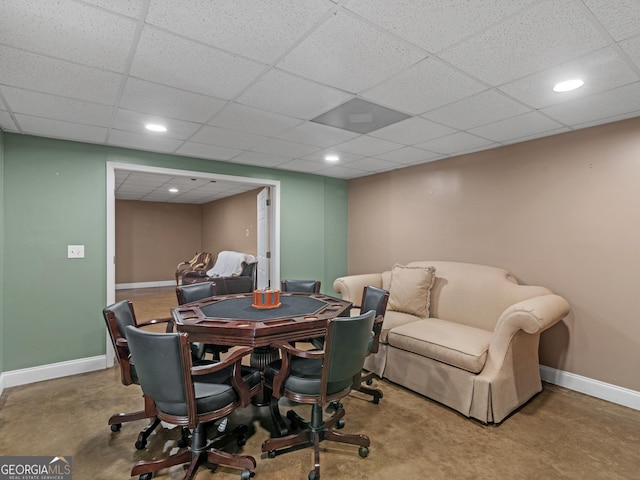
55	195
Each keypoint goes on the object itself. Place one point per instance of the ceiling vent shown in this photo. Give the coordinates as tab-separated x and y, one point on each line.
360	116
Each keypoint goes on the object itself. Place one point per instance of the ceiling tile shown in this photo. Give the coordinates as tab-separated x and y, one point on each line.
136	121
411	131
409	155
632	48
260	159
167	59
368	146
299	165
425	86
460	142
323	136
531	123
283	93
252	120
371	164
549	33
486	107
226	138
60	108
54	27
349	54
211	152
276	25
621	18
275	146
602	70
449	21
6	122
36	72
138	141
130	8
143	96
45	127
597	107
344	172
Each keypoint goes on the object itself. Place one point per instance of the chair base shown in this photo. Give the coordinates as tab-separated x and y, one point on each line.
202	452
118	419
313	433
374	392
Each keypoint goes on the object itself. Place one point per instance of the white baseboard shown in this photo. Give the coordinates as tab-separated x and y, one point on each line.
53	370
1	383
594	388
161	283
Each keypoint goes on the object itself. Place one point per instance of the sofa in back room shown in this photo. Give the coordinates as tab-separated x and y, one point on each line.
462	334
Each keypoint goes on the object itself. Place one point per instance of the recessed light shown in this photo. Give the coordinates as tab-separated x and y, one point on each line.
173	190
154	127
568	85
332	158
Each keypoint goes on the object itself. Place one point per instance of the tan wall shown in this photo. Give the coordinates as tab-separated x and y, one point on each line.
561	212
230	224
152	238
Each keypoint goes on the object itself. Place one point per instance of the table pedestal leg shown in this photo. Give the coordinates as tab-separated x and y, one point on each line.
260	358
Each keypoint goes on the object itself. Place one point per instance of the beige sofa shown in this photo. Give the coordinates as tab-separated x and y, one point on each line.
476	349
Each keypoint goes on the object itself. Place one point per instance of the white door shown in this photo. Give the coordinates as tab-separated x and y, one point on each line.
264	254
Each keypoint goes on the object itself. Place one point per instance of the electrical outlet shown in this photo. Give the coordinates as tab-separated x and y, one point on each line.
75	251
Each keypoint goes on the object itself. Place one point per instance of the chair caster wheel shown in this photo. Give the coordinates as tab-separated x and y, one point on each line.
369	382
271	454
247	474
140	444
313	476
146	476
363	452
340	424
182	442
242	441
116	427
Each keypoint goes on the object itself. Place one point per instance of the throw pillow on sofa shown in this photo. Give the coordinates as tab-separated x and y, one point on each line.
410	289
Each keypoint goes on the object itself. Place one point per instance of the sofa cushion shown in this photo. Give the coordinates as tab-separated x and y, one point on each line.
410	289
458	345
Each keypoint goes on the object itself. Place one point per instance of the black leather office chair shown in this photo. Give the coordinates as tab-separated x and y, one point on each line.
192	396
303	286
318	377
376	299
306	286
117	317
193	293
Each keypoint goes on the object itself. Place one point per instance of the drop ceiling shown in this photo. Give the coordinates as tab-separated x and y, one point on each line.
240	81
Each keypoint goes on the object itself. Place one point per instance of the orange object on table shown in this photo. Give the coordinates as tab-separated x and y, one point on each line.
266	298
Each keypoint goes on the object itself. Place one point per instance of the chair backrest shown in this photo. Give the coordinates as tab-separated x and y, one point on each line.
161	363
307	286
118	317
376	299
346	346
195	291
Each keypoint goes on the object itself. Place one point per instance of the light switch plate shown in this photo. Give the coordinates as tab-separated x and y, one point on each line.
75	251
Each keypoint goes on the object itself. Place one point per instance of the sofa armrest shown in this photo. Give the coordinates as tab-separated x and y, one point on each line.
351	287
533	316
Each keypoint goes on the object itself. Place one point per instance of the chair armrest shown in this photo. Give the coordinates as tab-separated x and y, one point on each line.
351	287
237	382
377	329
122	342
287	352
159	321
